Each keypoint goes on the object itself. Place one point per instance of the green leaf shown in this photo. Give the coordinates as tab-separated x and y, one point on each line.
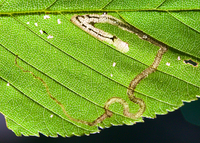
77	67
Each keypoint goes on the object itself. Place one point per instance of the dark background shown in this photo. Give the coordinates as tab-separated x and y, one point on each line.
170	128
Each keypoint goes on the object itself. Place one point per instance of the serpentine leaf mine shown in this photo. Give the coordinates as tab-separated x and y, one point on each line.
86	22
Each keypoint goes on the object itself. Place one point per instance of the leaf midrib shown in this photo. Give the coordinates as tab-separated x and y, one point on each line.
93	10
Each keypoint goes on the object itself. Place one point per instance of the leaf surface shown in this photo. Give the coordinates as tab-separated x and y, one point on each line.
77	68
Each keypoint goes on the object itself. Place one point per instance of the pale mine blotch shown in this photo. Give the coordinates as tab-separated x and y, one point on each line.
8	84
168	64
121	45
179	58
41	31
59	22
86	22
46	17
36	24
50	37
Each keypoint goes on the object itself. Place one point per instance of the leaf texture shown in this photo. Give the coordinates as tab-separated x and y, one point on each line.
78	69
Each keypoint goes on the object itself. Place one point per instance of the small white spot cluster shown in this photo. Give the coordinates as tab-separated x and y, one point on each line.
50	37
28	23
179	58
36	24
41	31
46	17
59	22
114	64
168	64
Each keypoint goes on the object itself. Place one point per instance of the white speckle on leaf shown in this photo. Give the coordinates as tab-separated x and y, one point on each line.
168	64
28	23
41	31
179	58
59	22
46	17
111	75
114	64
50	37
51	116
8	84
36	24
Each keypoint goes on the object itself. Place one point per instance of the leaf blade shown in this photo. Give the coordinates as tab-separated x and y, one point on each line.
65	64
